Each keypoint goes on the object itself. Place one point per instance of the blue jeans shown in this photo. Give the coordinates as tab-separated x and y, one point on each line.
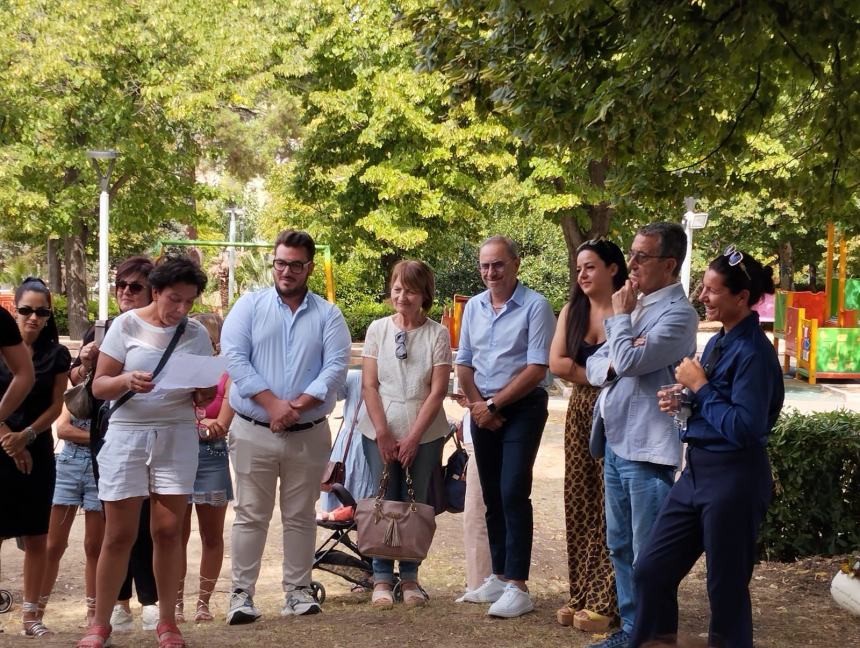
635	491
76	485
505	459
428	457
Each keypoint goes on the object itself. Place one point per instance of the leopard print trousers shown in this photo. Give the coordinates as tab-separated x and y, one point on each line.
592	580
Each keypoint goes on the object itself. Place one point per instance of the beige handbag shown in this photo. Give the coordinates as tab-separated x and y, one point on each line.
394	530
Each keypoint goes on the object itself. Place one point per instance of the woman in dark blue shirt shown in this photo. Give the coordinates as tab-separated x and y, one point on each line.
723	493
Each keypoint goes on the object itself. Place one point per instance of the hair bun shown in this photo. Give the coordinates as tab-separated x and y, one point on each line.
34	280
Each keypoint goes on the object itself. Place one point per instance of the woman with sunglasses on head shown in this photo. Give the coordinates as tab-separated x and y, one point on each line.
151	443
601	269
721	498
132	291
405	371
27	469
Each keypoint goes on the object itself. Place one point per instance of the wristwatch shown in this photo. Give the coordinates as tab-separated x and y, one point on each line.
491	406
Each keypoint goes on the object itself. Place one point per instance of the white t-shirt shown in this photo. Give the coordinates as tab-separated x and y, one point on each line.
405	384
139	346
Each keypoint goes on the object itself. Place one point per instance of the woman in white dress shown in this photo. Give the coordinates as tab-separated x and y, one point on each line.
406	367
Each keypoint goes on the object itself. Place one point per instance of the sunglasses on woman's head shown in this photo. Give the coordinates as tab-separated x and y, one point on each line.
26	311
133	286
736	258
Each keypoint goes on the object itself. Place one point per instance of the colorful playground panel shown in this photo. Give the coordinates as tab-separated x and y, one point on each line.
827	352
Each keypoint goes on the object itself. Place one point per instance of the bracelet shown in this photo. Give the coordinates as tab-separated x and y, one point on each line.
31	434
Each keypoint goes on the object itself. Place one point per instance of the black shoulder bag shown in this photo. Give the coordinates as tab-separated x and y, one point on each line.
105	411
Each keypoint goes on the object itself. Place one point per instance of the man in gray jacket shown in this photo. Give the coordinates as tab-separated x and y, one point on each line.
652	330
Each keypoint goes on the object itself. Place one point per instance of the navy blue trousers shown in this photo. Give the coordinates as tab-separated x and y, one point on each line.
717	506
505	460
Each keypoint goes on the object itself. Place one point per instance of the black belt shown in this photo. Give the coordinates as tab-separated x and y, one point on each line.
298	427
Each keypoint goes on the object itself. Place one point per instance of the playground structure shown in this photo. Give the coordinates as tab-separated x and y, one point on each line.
325	249
820	329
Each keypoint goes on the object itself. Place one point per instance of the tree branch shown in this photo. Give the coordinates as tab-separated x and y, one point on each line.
733	128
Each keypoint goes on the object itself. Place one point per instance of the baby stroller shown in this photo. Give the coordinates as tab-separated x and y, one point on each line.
349	564
5	601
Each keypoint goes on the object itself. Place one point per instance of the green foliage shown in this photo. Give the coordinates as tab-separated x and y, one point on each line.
61	311
359	316
816	462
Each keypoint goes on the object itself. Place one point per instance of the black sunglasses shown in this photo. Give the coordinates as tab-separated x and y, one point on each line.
400	345
26	311
133	287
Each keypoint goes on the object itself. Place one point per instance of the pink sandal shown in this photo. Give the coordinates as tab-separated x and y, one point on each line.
169	635
98	636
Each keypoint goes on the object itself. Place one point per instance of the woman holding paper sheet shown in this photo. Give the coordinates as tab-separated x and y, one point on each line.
151	443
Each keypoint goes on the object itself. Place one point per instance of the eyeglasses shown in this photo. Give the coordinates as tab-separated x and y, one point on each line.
736	258
133	287
400	345
296	267
26	311
496	266
641	257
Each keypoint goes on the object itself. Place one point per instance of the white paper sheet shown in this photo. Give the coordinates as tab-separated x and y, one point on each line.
189	371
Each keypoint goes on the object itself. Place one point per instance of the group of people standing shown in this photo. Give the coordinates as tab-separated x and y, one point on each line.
626	333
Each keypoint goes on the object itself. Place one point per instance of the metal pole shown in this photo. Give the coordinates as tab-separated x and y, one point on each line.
104	224
689	204
103	255
231	258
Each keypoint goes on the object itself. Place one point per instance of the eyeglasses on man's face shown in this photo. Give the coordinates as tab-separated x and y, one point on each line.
295	267
636	256
495	266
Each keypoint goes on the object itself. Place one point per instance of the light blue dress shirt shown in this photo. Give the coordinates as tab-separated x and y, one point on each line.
499	345
267	346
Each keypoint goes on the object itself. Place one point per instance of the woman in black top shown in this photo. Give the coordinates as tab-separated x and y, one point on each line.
600	270
27	469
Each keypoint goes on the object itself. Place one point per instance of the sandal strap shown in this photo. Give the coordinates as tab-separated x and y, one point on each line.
36	628
169	635
97	636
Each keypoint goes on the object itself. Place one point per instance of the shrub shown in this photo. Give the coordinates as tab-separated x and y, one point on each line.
359	316
816	506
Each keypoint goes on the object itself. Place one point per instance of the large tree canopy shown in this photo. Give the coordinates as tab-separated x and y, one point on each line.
672	97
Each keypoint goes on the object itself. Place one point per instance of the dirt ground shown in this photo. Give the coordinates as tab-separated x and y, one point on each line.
791	602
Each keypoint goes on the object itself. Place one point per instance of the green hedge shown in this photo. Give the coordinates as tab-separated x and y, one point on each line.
359	316
61	311
816	506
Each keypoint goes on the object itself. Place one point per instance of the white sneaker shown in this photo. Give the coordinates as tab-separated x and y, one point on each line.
242	608
121	619
513	603
150	616
489	592
300	601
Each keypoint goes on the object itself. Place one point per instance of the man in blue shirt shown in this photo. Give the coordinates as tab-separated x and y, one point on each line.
502	368
287	351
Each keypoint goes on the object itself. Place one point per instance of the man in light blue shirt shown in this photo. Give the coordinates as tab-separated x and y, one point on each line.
287	351
502	368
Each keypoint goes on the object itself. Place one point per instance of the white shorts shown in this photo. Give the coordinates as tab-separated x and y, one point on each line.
138	462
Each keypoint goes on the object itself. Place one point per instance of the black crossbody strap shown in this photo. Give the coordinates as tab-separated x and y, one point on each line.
180	329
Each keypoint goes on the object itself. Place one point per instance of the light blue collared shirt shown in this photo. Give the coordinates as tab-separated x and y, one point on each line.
499	345
267	346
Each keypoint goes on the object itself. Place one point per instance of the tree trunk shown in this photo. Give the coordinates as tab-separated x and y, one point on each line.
55	281
76	279
813	277
786	266
599	217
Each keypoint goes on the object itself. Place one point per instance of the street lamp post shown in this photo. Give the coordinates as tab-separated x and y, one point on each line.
691	221
96	158
231	252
